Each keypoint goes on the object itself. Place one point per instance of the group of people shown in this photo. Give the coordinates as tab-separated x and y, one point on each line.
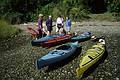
49	25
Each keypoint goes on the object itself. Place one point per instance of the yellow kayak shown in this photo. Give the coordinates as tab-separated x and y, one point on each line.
90	57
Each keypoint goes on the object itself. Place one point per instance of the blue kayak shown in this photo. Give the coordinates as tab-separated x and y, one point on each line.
83	37
57	55
38	42
43	39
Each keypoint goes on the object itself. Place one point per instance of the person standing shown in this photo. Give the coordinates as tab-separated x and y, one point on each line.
40	25
68	25
49	25
59	23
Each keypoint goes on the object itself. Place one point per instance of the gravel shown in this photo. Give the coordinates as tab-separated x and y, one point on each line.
17	56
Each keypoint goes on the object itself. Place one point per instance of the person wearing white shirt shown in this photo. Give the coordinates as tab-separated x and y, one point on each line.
59	23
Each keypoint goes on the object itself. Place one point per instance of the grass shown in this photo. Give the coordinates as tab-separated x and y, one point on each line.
7	30
103	17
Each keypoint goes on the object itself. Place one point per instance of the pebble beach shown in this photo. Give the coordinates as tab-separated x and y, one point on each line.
17	56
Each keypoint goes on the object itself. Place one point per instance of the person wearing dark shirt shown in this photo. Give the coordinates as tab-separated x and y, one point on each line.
40	25
49	25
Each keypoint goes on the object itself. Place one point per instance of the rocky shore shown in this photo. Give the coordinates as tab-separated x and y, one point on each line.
17	57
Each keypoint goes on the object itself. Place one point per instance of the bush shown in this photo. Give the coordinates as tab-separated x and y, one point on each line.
31	17
114	7
78	13
13	18
7	30
56	12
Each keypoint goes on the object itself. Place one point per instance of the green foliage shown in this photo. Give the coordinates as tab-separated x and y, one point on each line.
74	12
29	10
56	12
7	30
78	13
102	17
12	10
13	17
47	10
31	16
114	7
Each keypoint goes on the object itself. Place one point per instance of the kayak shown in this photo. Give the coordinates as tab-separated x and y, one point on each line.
37	42
83	37
57	41
56	55
33	32
90	57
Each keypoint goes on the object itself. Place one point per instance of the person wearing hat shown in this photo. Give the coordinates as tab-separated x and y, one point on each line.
49	25
40	25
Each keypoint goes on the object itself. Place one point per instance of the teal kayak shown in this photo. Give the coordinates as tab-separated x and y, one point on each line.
83	37
56	55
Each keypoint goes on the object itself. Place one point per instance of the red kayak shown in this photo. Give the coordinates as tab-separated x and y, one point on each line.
57	41
33	32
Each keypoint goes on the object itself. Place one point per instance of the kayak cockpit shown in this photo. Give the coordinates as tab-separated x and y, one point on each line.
57	52
64	47
90	57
